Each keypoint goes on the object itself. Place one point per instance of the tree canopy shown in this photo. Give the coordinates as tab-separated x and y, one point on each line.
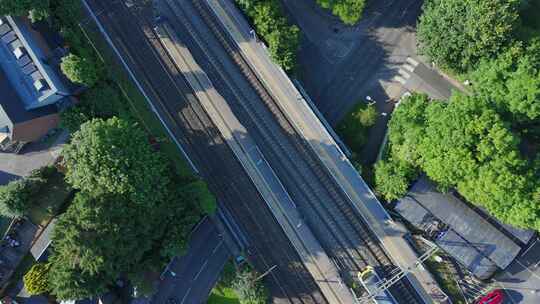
463	144
80	70
16	196
349	11
269	21
512	81
131	215
22	7
458	33
113	156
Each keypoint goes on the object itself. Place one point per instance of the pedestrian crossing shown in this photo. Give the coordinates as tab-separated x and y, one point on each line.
405	71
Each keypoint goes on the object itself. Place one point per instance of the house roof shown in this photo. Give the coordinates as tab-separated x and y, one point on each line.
12	109
471	237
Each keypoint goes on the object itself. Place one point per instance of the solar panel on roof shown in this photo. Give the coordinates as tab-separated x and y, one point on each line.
8	37
4	28
36	75
24	61
29	69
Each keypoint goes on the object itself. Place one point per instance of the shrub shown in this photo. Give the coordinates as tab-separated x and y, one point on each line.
80	70
349	11
36	279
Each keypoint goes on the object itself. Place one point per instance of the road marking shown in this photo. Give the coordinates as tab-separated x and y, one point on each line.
404	74
400	79
412	61
185	296
200	270
408	67
216	248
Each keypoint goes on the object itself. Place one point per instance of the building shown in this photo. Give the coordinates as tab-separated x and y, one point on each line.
30	85
469	236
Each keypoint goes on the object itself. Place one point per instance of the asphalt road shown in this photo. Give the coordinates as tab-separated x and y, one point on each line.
190	278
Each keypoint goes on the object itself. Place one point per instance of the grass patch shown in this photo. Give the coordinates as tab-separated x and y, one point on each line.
223	296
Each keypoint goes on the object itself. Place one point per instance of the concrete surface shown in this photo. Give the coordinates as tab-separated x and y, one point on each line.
32	156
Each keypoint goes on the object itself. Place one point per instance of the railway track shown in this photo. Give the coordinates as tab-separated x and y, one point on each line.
217	164
342	232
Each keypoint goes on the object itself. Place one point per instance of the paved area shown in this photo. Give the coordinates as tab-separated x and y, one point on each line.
521	280
190	278
32	156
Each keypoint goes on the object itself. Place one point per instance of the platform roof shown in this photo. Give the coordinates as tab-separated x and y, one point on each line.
467	225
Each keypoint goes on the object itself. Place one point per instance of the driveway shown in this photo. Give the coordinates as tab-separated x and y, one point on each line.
32	156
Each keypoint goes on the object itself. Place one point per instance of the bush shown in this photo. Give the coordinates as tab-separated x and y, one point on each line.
36	279
80	70
248	289
354	127
349	11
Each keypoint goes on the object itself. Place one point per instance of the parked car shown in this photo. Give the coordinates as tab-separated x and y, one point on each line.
494	297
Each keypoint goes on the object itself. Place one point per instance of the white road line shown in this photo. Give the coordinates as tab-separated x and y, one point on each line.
404	74
216	248
200	270
412	61
408	67
185	296
400	79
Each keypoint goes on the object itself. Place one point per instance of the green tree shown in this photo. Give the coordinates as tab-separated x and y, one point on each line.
467	145
512	81
269	21
406	128
248	288
98	239
102	101
349	11
36	280
80	70
16	196
393	177
458	33
22	7
113	156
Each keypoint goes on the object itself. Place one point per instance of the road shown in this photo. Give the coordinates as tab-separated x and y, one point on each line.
340	65
190	278
129	33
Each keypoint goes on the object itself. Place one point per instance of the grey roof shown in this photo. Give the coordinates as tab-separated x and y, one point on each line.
469	226
467	255
12	109
43	241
